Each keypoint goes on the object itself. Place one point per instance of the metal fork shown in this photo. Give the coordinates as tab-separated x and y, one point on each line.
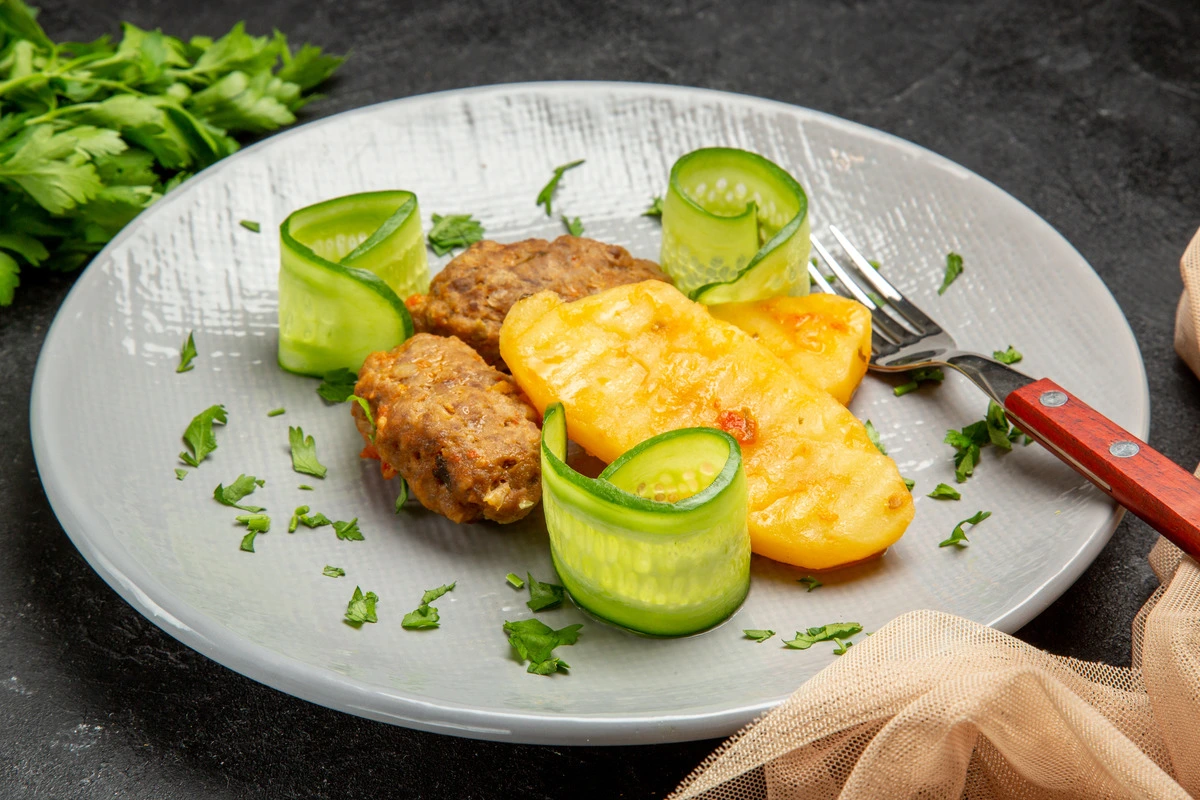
1138	477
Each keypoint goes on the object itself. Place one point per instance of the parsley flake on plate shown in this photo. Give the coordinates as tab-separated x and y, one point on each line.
346	531
809	582
917	377
305	487
333	572
543	595
841	648
453	230
759	636
304	453
199	436
275	412
230	495
317	520
546	195
426	616
954	268
401	496
958	536
1009	356
873	435
908	482
337	385
250	225
299	512
514	580
944	491
366	409
256	523
180	474
361	608
655	209
823	633
574	226
186	353
534	641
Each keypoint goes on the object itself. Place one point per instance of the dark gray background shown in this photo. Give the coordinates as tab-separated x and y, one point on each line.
1087	112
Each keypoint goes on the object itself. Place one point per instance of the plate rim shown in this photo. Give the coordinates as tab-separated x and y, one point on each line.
139	588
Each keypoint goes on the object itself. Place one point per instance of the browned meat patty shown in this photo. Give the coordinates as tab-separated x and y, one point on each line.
460	432
471	296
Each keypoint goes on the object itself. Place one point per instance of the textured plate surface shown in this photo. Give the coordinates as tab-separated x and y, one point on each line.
108	410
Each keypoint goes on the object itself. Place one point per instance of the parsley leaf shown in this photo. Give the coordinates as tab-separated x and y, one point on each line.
574	226
317	520
186	354
997	426
244	485
250	225
967	444
759	636
534	641
655	209
199	436
453	230
346	531
1009	356
917	377
180	474
810	582
295	520
546	195
256	523
425	615
944	492
957	536
873	435
954	268
304	453
275	412
824	633
543	595
361	608
909	483
401	496
333	572
10	271
337	386
433	594
366	409
514	580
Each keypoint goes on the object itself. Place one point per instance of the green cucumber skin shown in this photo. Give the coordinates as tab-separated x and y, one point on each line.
663	569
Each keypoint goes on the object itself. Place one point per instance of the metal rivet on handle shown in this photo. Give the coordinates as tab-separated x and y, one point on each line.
1124	449
1053	399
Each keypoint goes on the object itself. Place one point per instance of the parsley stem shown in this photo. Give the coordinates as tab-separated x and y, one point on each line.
58	112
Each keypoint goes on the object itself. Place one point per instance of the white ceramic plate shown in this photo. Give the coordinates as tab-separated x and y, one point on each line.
108	410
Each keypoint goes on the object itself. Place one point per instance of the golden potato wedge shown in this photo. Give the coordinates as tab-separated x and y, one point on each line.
638	360
826	338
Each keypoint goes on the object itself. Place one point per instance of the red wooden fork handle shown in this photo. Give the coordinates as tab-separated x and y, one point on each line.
1143	480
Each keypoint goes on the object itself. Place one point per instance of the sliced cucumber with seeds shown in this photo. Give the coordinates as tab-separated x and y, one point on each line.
658	543
735	228
345	266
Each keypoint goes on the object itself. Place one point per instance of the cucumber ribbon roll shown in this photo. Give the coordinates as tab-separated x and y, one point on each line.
734	228
658	543
346	266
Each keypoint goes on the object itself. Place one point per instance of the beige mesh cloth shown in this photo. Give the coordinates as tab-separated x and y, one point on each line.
933	706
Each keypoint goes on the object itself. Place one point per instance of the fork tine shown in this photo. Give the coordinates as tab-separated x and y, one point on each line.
818	280
882	324
918	318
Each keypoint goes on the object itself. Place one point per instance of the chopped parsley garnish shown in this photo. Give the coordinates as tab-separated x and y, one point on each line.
453	230
908	482
997	426
304	453
275	412
842	647
256	523
824	633
546	195
543	595
1009	356
333	572
366	409
534	641
186	353
809	582
655	209
917	377
347	531
514	580
944	491
873	435
361	608
425	615
759	636
401	496
958	536
230	495
317	520
954	268
337	385
199	436
574	226
250	225
295	520
180	474
305	487
968	443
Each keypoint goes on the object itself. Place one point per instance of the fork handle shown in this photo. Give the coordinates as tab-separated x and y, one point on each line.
1138	477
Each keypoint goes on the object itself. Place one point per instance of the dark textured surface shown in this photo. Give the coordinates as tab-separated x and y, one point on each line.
1087	112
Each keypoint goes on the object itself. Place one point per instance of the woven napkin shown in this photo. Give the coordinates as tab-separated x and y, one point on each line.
934	706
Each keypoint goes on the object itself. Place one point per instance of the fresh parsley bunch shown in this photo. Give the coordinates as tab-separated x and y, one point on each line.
92	133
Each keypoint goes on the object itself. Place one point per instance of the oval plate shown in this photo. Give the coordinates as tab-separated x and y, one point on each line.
108	410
